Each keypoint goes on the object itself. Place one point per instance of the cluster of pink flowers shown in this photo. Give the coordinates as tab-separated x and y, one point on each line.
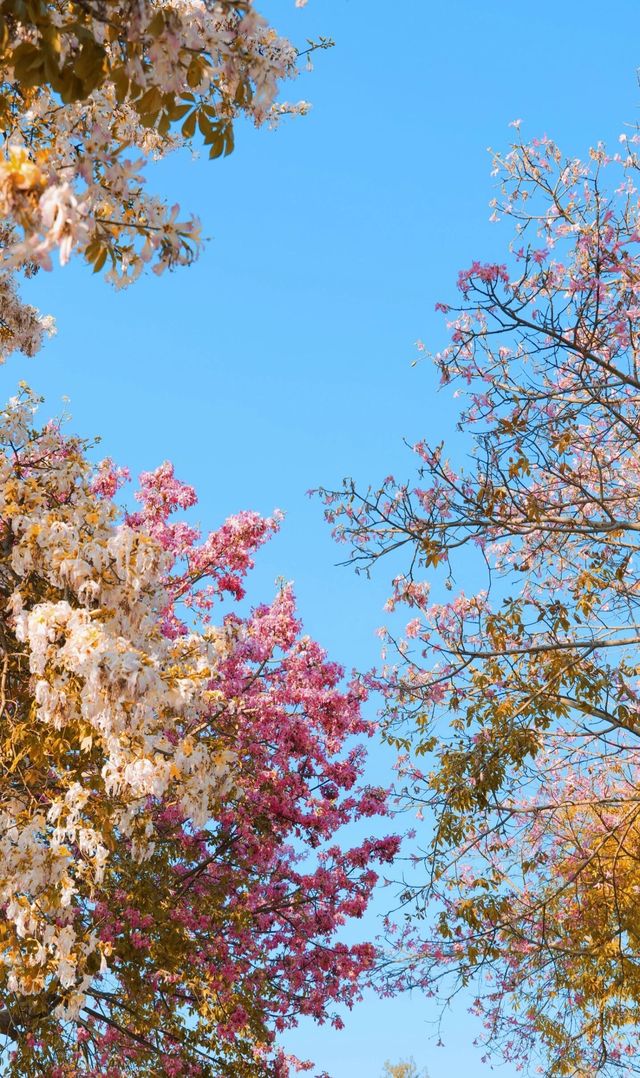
190	851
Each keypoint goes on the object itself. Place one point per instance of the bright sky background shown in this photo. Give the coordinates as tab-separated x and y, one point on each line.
283	358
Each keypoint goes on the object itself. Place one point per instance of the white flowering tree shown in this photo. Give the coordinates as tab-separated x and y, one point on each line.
90	90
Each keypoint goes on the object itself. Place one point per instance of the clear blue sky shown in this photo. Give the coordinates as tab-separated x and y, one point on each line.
282	359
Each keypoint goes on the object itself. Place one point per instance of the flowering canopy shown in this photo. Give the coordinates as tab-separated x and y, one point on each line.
92	89
170	879
524	690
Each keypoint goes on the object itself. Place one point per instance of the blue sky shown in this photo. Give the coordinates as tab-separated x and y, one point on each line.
283	358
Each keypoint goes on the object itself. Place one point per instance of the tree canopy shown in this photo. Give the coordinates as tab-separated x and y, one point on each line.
90	91
171	876
516	701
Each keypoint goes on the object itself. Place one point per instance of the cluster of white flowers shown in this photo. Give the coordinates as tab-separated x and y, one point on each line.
71	177
105	713
22	326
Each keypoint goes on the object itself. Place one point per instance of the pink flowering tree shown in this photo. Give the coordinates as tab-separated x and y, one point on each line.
175	779
513	689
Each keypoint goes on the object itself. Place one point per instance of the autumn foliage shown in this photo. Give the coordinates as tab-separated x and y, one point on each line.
177	767
176	771
171	881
